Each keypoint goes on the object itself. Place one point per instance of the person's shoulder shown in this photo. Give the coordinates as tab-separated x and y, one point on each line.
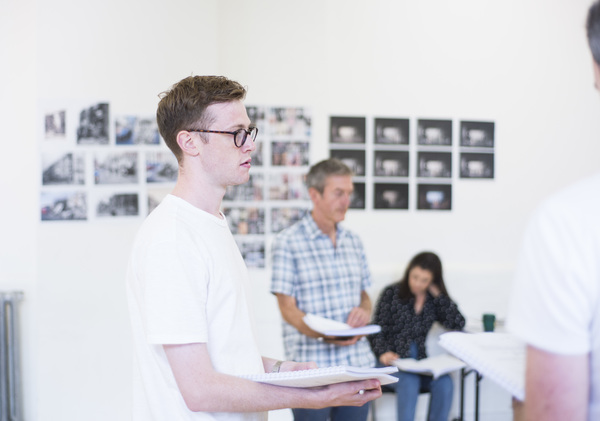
580	197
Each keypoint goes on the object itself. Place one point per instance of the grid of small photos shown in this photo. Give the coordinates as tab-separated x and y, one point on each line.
275	197
390	164
95	166
98	167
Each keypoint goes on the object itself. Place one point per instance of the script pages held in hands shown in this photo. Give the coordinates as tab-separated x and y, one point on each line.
324	376
498	356
433	366
330	327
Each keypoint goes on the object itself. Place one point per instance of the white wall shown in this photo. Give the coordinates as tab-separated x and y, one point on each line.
523	64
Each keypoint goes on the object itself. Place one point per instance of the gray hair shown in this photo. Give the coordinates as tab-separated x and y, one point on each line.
318	173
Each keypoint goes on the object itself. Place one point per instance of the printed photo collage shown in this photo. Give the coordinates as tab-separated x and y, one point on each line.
404	164
98	166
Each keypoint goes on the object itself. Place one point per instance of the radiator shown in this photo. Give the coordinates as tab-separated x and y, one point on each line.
10	373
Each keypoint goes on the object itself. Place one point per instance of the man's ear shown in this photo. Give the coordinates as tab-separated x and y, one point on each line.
313	193
187	143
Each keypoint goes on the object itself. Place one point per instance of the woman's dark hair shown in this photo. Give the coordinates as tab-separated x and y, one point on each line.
592	26
427	261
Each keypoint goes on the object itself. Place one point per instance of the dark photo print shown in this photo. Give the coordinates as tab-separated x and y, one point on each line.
434	164
347	129
354	159
391	164
477	134
391	131
434	197
476	165
391	196
434	132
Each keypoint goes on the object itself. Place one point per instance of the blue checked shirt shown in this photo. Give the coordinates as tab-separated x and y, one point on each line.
325	281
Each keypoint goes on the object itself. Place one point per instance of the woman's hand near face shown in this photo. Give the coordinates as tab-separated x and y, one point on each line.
434	290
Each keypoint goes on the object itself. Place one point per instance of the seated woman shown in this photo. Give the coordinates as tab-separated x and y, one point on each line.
406	310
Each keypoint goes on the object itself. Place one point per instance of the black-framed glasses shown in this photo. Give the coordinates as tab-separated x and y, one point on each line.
239	136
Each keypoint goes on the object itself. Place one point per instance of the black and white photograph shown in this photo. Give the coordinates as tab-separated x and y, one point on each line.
116	168
117	204
290	121
478	134
161	167
282	218
434	132
391	164
391	196
93	126
434	196
353	158
289	154
257	116
63	168
63	206
391	131
146	131
287	187
347	130
252	190
245	220
258	154
134	130
253	251
155	195
434	164
358	198
476	165
55	125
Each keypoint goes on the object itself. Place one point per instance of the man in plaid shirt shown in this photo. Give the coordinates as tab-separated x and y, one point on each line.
320	268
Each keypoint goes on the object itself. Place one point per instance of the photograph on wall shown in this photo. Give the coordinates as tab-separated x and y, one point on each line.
391	131
478	134
353	158
289	154
135	130
245	220
391	196
347	130
63	168
93	125
257	155
391	164
115	167
252	190
156	194
434	196
286	186
161	167
253	251
257	116
55	125
112	204
434	132
476	165
63	206
290	121
434	164
284	217
358	199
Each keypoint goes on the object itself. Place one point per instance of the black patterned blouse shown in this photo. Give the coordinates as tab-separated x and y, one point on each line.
400	325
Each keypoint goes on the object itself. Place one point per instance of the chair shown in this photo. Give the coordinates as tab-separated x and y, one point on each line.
387	390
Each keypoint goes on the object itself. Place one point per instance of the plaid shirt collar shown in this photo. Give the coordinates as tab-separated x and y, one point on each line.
313	231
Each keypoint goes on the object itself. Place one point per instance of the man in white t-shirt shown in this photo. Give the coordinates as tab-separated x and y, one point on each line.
555	305
187	283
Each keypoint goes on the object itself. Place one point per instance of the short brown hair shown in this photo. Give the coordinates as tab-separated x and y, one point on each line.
184	105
